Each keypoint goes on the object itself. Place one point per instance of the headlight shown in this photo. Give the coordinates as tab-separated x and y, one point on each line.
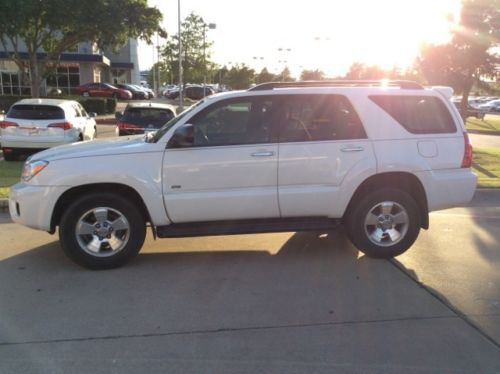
32	168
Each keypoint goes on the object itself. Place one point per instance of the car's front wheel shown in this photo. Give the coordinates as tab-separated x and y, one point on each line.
102	231
384	223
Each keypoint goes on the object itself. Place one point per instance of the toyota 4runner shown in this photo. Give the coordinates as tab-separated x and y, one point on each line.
375	156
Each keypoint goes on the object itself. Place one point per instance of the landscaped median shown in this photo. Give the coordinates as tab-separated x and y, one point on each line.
486	165
489	125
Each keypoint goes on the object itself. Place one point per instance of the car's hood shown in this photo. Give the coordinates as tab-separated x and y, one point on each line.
98	147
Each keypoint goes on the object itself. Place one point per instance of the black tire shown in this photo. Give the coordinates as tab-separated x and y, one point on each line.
360	231
80	211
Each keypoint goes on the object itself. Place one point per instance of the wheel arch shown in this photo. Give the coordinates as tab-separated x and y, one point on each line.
401	180
71	195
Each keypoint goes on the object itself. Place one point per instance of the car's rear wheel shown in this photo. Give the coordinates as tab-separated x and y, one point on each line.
383	224
102	231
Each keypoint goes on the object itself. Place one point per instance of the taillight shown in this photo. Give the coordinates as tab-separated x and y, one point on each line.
5	124
126	125
467	160
61	125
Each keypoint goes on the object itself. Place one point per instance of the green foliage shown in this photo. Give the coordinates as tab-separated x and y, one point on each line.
99	105
94	104
7	101
265	76
240	77
472	54
10	173
312	75
489	125
195	51
486	164
59	25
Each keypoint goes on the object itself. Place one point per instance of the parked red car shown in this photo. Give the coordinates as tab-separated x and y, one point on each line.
103	90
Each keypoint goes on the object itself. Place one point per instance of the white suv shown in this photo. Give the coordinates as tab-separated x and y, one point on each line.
278	157
34	124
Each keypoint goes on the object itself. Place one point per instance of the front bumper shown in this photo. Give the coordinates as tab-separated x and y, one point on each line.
33	206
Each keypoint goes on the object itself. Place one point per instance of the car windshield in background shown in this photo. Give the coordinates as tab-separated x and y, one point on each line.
39	112
147	116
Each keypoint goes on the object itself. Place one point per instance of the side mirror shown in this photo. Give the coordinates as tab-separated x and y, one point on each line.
183	137
92	114
118	115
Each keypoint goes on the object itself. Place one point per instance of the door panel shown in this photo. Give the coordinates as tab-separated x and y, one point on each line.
230	171
323	167
221	183
321	141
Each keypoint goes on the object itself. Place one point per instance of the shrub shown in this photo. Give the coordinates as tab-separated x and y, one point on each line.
111	105
7	101
99	105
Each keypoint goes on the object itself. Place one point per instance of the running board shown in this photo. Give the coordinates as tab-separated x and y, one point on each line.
179	230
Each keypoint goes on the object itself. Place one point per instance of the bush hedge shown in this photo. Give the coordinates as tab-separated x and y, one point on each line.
99	105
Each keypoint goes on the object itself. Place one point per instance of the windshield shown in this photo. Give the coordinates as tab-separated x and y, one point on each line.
174	120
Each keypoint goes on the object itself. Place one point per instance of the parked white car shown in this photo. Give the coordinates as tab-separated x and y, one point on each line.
36	124
278	157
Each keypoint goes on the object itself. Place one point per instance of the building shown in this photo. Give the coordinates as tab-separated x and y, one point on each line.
86	63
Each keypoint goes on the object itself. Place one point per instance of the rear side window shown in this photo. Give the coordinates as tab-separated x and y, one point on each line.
319	117
145	116
41	112
417	114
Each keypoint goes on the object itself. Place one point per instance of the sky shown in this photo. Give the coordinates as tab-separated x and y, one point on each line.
314	34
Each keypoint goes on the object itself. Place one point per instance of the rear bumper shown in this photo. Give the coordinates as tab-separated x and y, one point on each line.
448	188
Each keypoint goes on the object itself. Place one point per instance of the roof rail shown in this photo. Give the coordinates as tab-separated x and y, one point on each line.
403	84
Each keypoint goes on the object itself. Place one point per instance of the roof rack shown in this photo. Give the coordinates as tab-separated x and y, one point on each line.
403	84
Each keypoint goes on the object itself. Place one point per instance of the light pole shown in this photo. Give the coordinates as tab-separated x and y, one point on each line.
180	54
211	26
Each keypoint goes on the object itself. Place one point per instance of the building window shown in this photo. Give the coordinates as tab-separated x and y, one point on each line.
66	79
12	81
97	74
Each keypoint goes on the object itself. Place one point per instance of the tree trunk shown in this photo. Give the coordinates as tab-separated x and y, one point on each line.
35	75
467	87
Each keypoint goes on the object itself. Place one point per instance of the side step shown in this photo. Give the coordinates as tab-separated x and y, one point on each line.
179	230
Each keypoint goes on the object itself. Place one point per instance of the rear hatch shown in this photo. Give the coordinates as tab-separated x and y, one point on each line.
41	123
145	119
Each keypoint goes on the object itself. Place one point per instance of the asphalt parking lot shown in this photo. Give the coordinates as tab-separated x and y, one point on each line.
273	303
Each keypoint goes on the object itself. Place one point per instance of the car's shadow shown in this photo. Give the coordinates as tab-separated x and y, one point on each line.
314	278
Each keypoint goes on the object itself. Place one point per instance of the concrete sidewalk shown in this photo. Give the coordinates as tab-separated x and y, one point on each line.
273	303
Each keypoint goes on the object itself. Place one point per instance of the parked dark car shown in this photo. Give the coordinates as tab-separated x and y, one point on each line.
139	118
137	93
471	111
103	90
193	92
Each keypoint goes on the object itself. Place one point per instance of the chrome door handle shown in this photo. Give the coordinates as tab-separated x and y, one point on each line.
263	154
352	149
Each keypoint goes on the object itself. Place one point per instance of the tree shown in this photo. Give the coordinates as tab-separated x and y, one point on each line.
285	76
265	76
55	26
239	77
195	51
312	75
472	54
